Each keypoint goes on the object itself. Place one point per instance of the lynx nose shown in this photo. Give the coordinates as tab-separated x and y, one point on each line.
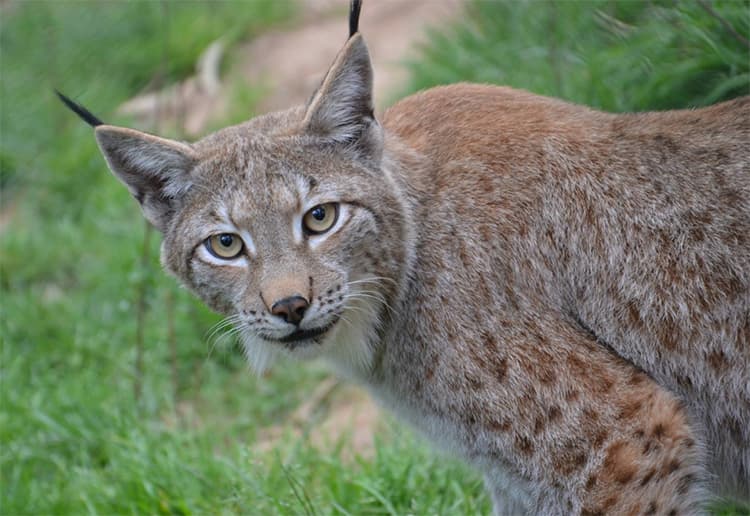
291	309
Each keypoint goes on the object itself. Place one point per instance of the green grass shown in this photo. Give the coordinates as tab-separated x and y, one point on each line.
615	55
73	438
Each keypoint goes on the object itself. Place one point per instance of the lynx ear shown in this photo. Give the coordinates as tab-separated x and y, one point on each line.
155	170
341	110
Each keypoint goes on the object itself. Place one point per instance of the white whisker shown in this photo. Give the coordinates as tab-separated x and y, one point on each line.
367	295
371	279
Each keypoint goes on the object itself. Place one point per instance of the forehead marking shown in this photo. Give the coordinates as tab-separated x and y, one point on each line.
303	189
231	227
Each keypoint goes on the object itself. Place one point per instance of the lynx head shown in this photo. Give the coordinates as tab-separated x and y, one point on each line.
289	224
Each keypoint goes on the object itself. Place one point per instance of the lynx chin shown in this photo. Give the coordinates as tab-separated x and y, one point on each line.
559	295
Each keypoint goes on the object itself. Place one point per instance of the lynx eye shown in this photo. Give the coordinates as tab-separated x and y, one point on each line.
224	245
321	218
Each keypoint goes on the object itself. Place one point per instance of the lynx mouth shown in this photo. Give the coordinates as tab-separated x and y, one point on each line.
298	337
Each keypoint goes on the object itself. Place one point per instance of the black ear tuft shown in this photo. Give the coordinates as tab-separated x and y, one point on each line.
79	110
354	7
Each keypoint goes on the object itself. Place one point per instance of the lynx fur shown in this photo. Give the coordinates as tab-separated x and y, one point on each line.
557	294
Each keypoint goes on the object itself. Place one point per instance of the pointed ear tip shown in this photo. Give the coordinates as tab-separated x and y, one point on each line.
356	45
105	131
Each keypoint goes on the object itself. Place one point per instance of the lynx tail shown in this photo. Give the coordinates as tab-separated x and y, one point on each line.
79	110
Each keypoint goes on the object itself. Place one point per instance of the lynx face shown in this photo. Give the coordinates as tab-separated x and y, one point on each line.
291	249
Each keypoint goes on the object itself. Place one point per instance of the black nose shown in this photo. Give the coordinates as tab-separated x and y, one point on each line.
291	309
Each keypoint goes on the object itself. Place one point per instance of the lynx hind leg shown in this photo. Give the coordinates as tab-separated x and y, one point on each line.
654	466
590	434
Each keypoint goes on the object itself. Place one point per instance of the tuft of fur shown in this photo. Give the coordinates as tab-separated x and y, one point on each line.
355	6
83	113
559	295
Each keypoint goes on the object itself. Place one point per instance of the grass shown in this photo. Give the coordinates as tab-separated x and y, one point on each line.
615	55
80	284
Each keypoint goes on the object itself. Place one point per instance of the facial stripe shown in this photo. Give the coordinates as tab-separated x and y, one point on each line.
303	190
248	240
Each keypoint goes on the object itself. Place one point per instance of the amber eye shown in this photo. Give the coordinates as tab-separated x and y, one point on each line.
321	218
224	245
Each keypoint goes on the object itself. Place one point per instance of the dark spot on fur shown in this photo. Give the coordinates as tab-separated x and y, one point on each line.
474	380
647	478
599	437
634	314
501	369
684	381
629	410
577	365
636	378
578	460
735	430
718	361
683	486
591	481
499	426
524	445
618	462
669	332
590	415
554	413
651	509
610	502
672	512
547	375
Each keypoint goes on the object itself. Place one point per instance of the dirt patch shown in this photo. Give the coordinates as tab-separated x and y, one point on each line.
335	414
290	63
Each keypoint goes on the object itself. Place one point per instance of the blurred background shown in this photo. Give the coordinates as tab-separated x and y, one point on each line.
120	394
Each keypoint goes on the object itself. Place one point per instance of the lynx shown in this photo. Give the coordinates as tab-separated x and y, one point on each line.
559	295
